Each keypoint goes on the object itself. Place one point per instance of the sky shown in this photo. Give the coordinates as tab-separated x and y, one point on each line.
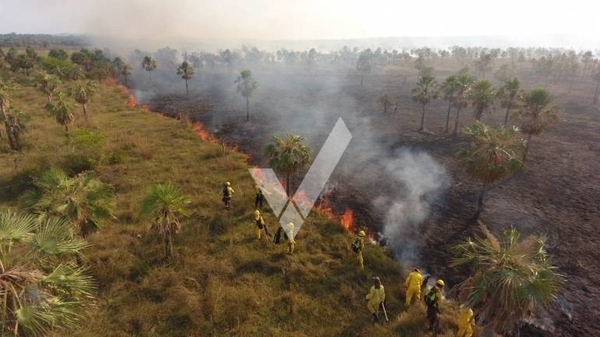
299	19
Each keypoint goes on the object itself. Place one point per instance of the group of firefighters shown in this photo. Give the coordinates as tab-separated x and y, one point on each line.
414	283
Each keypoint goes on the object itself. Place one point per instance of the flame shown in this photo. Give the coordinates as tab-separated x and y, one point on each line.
131	101
347	220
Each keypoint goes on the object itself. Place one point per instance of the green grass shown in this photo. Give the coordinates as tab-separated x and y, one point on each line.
222	281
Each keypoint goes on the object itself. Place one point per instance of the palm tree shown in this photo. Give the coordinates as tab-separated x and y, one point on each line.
288	155
186	71
149	64
509	91
5	89
449	88
246	86
537	112
511	278
482	97
493	155
83	199
125	71
41	288
61	110
166	204
386	99
425	91
83	93
48	85
463	86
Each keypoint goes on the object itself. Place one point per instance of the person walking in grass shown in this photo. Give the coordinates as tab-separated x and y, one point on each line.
259	198
227	194
412	284
375	298
358	246
433	300
289	232
260	224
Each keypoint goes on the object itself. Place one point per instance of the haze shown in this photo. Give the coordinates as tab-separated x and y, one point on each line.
299	20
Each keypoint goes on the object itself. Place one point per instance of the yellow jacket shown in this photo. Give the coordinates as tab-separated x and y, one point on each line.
413	280
376	296
465	317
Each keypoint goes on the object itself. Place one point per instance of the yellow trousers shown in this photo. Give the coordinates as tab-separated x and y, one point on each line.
361	261
465	331
410	292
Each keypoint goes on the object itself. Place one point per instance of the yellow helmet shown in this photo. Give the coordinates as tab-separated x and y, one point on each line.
440	283
362	233
228	183
257	213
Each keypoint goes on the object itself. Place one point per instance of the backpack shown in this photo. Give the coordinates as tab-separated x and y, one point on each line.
430	298
226	192
356	245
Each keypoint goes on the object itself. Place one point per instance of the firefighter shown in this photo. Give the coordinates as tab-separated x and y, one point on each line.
227	193
465	322
357	246
258	199
433	300
413	286
260	224
289	232
375	298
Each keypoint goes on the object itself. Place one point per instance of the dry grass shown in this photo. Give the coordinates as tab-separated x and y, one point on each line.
222	281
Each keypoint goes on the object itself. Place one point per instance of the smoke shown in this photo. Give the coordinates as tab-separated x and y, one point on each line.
417	181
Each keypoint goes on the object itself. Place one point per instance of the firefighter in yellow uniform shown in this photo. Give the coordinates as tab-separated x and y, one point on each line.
375	298
465	322
289	232
413	286
260	224
360	246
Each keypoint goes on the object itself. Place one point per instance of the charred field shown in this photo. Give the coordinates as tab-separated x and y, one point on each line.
555	194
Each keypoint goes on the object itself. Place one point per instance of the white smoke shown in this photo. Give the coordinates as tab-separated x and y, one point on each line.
417	181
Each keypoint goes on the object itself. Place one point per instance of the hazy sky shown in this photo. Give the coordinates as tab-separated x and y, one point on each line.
299	19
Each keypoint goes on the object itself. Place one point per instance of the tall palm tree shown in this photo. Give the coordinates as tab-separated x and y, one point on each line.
5	89
494	154
186	71
463	87
48	84
125	71
426	90
288	155
83	199
83	93
149	64
61	110
41	288
387	100
511	278
508	94
482	97
246	86
166	203
537	112
449	89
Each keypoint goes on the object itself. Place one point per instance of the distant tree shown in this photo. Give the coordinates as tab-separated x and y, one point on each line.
59	54
493	154
386	99
505	72
463	87
12	59
14	122
186	71
101	70
536	113
511	278
596	78
482	97
5	89
84	199
288	155
364	64
149	64
82	93
426	90
449	88
125	71
84	58
48	84
484	63
42	289
508	95
246	86
117	63
166	204
25	63
62	110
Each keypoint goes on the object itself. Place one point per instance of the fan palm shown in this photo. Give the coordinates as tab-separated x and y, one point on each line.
186	71
537	112
449	89
511	277
246	86
508	95
48	85
482	97
61	110
288	155
425	91
463	87
83	93
166	203
40	289
494	154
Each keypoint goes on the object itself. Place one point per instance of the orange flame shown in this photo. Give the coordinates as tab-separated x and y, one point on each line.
131	101
347	220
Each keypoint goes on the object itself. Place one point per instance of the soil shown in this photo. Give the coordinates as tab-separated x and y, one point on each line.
556	194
